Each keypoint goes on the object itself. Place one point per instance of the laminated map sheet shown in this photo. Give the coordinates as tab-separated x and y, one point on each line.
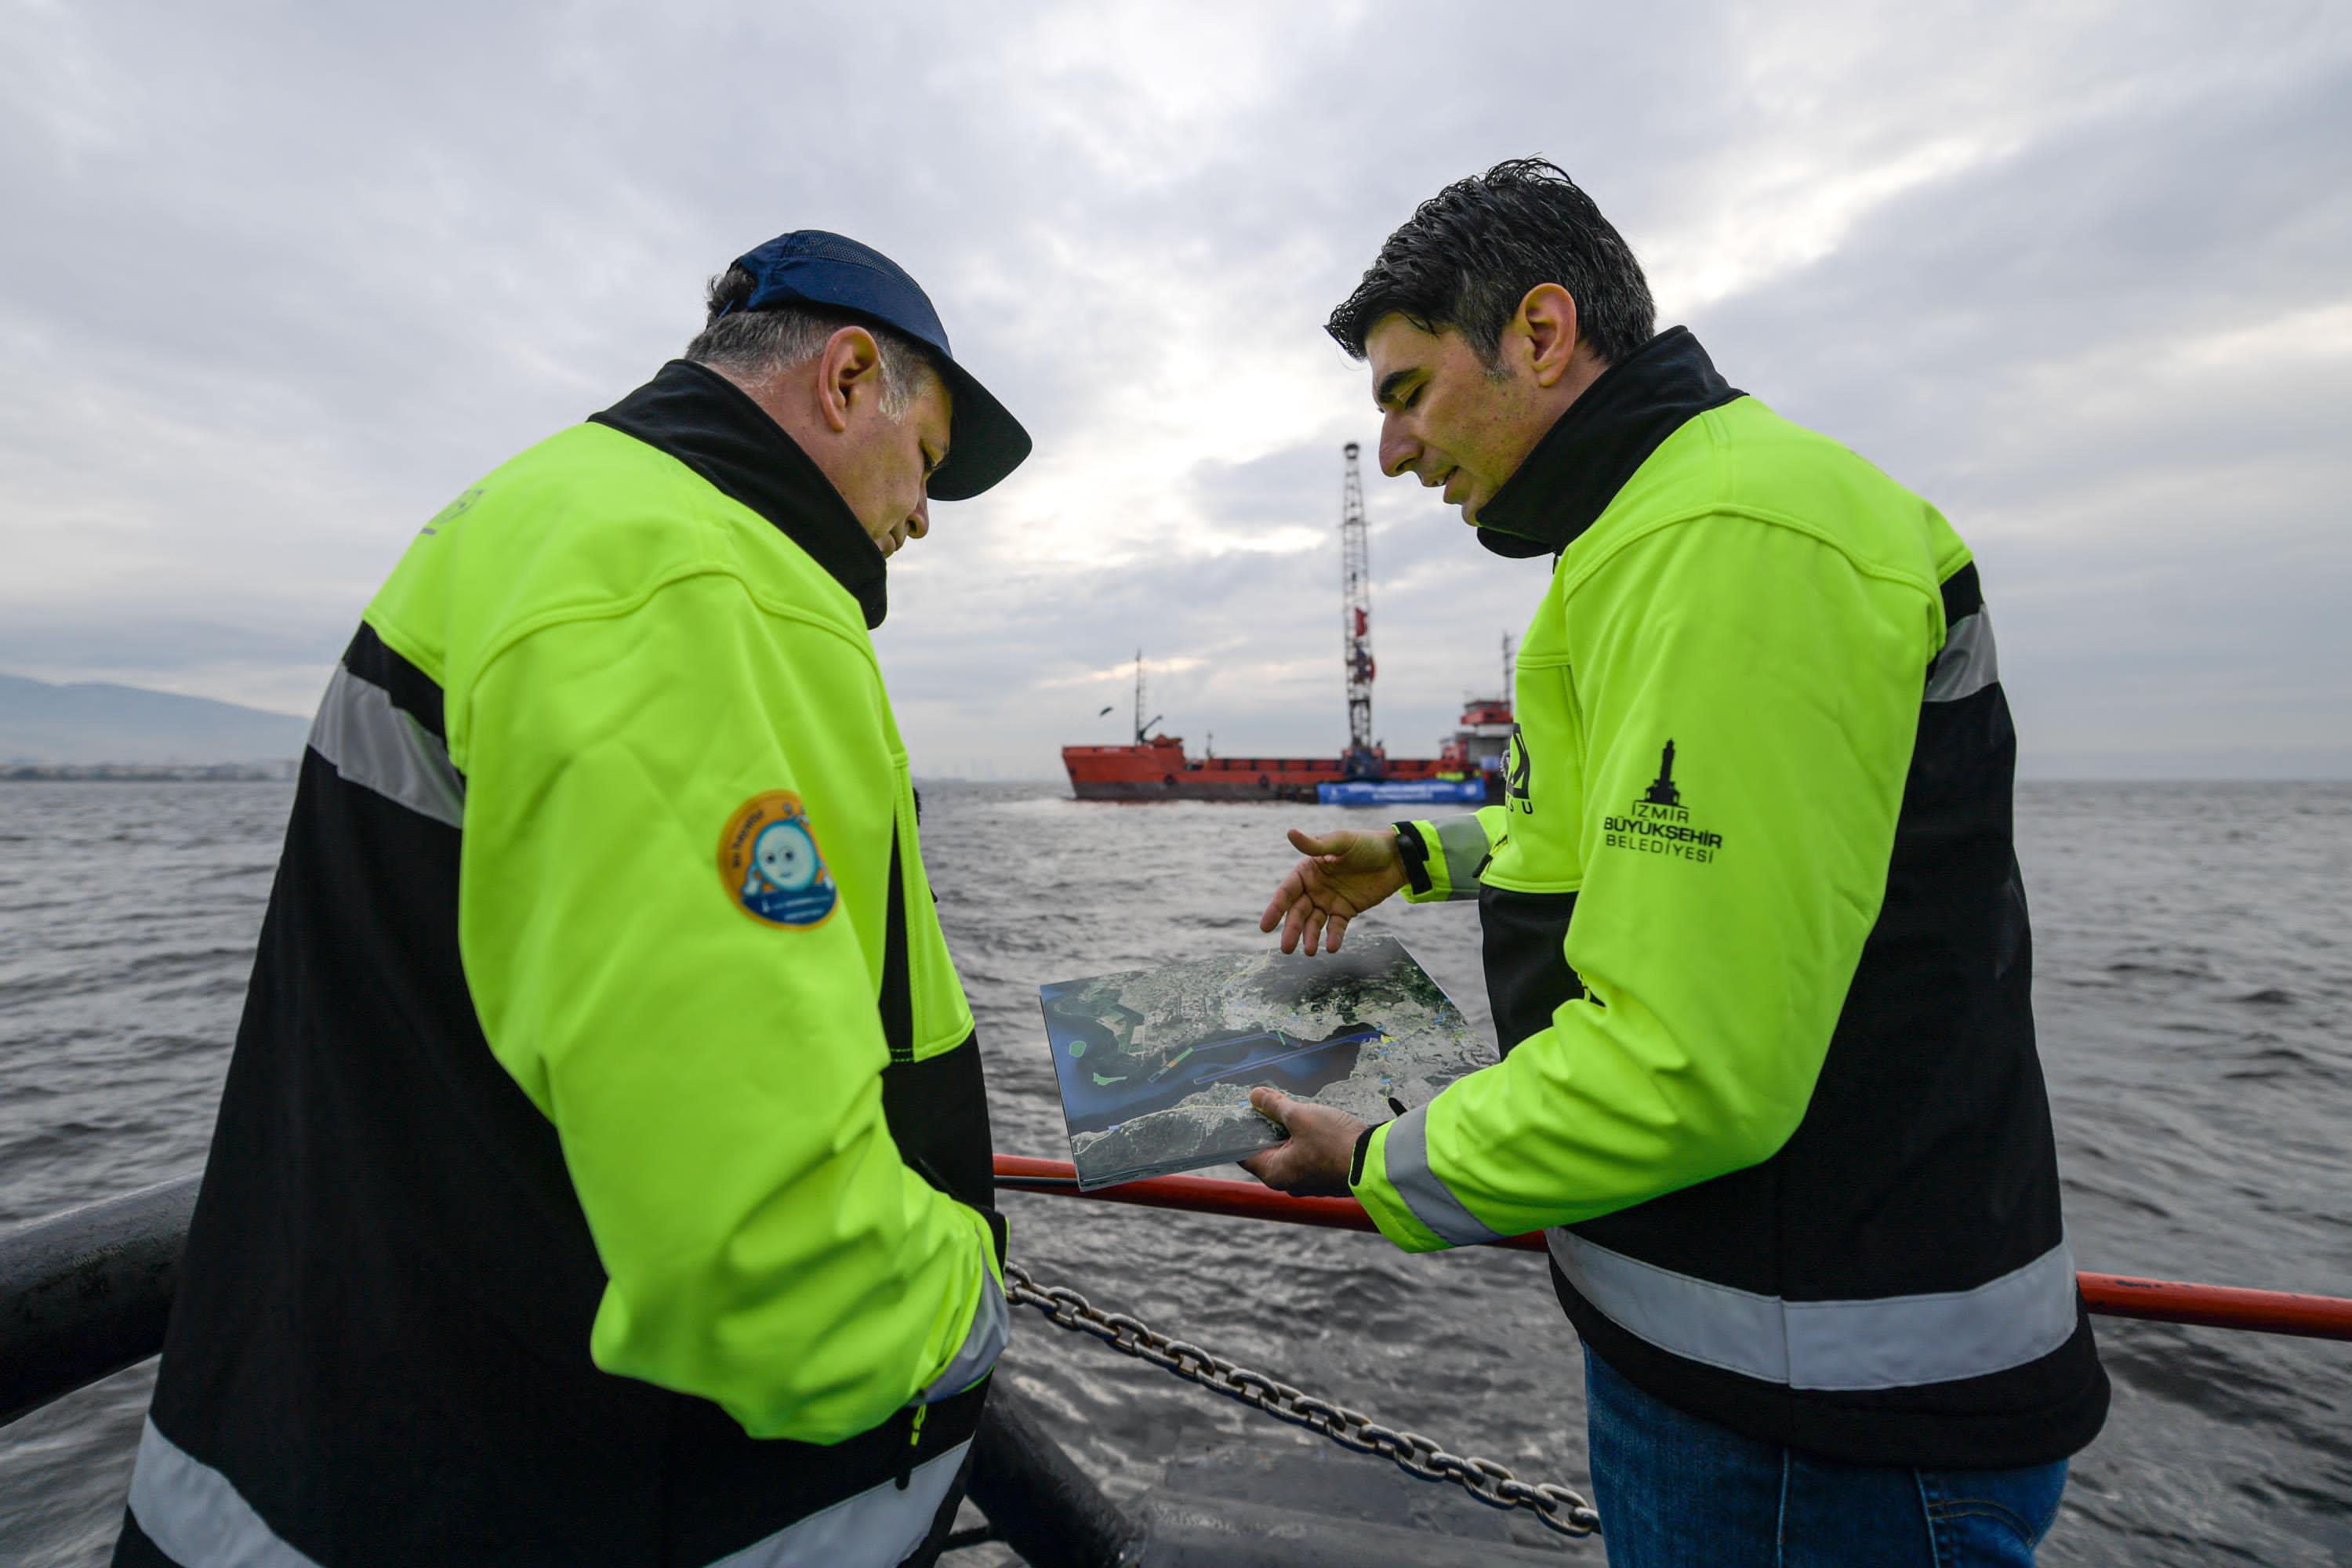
1156	1065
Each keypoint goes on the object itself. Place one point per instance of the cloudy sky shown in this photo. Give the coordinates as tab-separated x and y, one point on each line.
276	282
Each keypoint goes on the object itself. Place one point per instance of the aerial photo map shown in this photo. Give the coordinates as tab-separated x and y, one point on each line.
1156	1065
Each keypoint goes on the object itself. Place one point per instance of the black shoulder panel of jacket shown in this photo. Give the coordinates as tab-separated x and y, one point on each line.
412	690
1963	594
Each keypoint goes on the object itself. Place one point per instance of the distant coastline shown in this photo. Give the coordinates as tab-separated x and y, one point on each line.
93	731
146	773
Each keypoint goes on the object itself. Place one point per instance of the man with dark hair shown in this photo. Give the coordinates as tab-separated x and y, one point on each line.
604	1172
1755	935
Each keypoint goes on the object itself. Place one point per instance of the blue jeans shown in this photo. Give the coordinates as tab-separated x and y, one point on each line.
1676	1491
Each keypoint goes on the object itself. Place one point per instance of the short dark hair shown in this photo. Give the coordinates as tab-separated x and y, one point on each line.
1469	255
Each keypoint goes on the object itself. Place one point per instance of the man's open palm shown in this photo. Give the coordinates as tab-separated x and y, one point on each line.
1342	874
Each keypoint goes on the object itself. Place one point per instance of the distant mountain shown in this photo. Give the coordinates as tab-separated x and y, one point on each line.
90	723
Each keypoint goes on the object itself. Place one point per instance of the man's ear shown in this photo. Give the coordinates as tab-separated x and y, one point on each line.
849	369
1548	317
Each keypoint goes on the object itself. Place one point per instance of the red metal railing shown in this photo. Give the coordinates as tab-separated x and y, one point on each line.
2110	1295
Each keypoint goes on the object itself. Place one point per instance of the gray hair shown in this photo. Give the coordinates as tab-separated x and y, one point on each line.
759	343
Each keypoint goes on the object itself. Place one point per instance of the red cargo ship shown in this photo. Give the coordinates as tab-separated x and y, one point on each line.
1155	767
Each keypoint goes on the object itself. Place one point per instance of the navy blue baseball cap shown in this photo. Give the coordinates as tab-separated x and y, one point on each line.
811	266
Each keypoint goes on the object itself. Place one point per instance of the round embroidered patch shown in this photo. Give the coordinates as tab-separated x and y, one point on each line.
769	860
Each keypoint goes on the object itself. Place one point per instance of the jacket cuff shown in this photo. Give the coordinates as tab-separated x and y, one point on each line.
983	1341
1413	850
1381	1201
1443	859
1426	878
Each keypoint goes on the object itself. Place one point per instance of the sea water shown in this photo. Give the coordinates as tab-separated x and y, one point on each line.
2193	950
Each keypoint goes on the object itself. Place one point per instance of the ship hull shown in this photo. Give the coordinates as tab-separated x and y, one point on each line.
1159	770
1182	789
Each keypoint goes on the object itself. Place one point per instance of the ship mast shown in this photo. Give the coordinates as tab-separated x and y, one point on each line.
1356	620
1141	723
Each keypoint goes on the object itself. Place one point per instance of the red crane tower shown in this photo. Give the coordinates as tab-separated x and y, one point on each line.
1362	761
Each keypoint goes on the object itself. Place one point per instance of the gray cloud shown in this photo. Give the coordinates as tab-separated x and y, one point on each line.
278	281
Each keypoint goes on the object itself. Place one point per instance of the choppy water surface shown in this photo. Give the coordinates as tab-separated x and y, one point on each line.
2195	993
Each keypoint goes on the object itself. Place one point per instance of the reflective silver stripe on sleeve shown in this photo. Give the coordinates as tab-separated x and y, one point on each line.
375	745
992	1325
1406	1157
878	1528
1462	841
196	1515
1968	663
1894	1342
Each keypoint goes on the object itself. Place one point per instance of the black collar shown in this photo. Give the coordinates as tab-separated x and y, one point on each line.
1585	458
707	423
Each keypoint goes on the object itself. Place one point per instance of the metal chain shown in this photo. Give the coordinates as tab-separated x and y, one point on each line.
1560	1509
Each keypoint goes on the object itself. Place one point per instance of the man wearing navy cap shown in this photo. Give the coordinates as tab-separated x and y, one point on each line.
602	1175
